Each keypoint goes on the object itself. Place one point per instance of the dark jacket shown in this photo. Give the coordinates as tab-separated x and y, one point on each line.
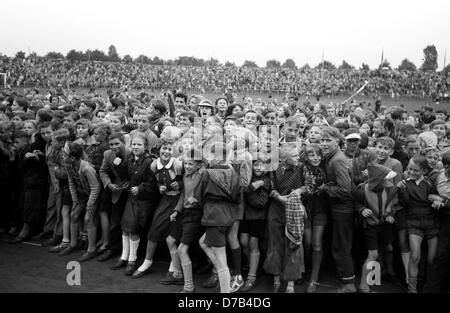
338	187
359	163
95	153
111	173
33	171
140	175
257	201
218	190
365	202
84	181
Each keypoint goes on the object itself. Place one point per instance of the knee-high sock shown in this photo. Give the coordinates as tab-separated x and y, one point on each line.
316	263
134	245
125	248
176	263
224	280
187	272
254	261
236	256
405	259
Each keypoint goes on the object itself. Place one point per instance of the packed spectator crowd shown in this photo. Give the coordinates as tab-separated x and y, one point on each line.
107	175
83	74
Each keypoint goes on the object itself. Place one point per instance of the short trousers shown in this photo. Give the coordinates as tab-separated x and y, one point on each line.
376	236
216	236
318	219
400	220
255	228
191	233
105	203
425	227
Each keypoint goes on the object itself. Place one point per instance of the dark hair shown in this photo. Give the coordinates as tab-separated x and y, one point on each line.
102	127
75	150
221	98
116	103
332	132
230	108
397	114
181	95
420	161
20	114
438	122
90	104
411	139
61	134
446	158
46	125
267	111
159	106
385	141
312	147
20	134
189	114
356	117
22	103
101	110
164	141
45	115
408	129
117	135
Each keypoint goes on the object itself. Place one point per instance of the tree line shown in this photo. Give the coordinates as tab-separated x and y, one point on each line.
430	57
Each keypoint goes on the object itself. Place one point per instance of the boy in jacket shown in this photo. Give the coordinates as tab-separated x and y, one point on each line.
376	200
84	188
218	193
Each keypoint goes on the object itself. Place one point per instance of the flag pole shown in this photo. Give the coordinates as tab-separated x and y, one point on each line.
445	59
382	56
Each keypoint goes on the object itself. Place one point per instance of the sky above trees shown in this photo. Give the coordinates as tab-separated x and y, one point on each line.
233	30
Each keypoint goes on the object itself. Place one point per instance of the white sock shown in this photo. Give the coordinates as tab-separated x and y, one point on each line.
134	245
171	269
145	266
188	280
125	247
224	280
405	259
177	271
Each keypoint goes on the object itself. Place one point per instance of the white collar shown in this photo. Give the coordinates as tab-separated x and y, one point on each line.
417	181
159	165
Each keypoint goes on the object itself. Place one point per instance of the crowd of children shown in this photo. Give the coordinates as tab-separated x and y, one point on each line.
254	186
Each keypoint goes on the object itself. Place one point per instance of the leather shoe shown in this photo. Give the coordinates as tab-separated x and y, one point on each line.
87	256
138	274
171	280
67	251
44	235
52	241
59	247
119	264
131	268
212	281
188	291
108	254
17	240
